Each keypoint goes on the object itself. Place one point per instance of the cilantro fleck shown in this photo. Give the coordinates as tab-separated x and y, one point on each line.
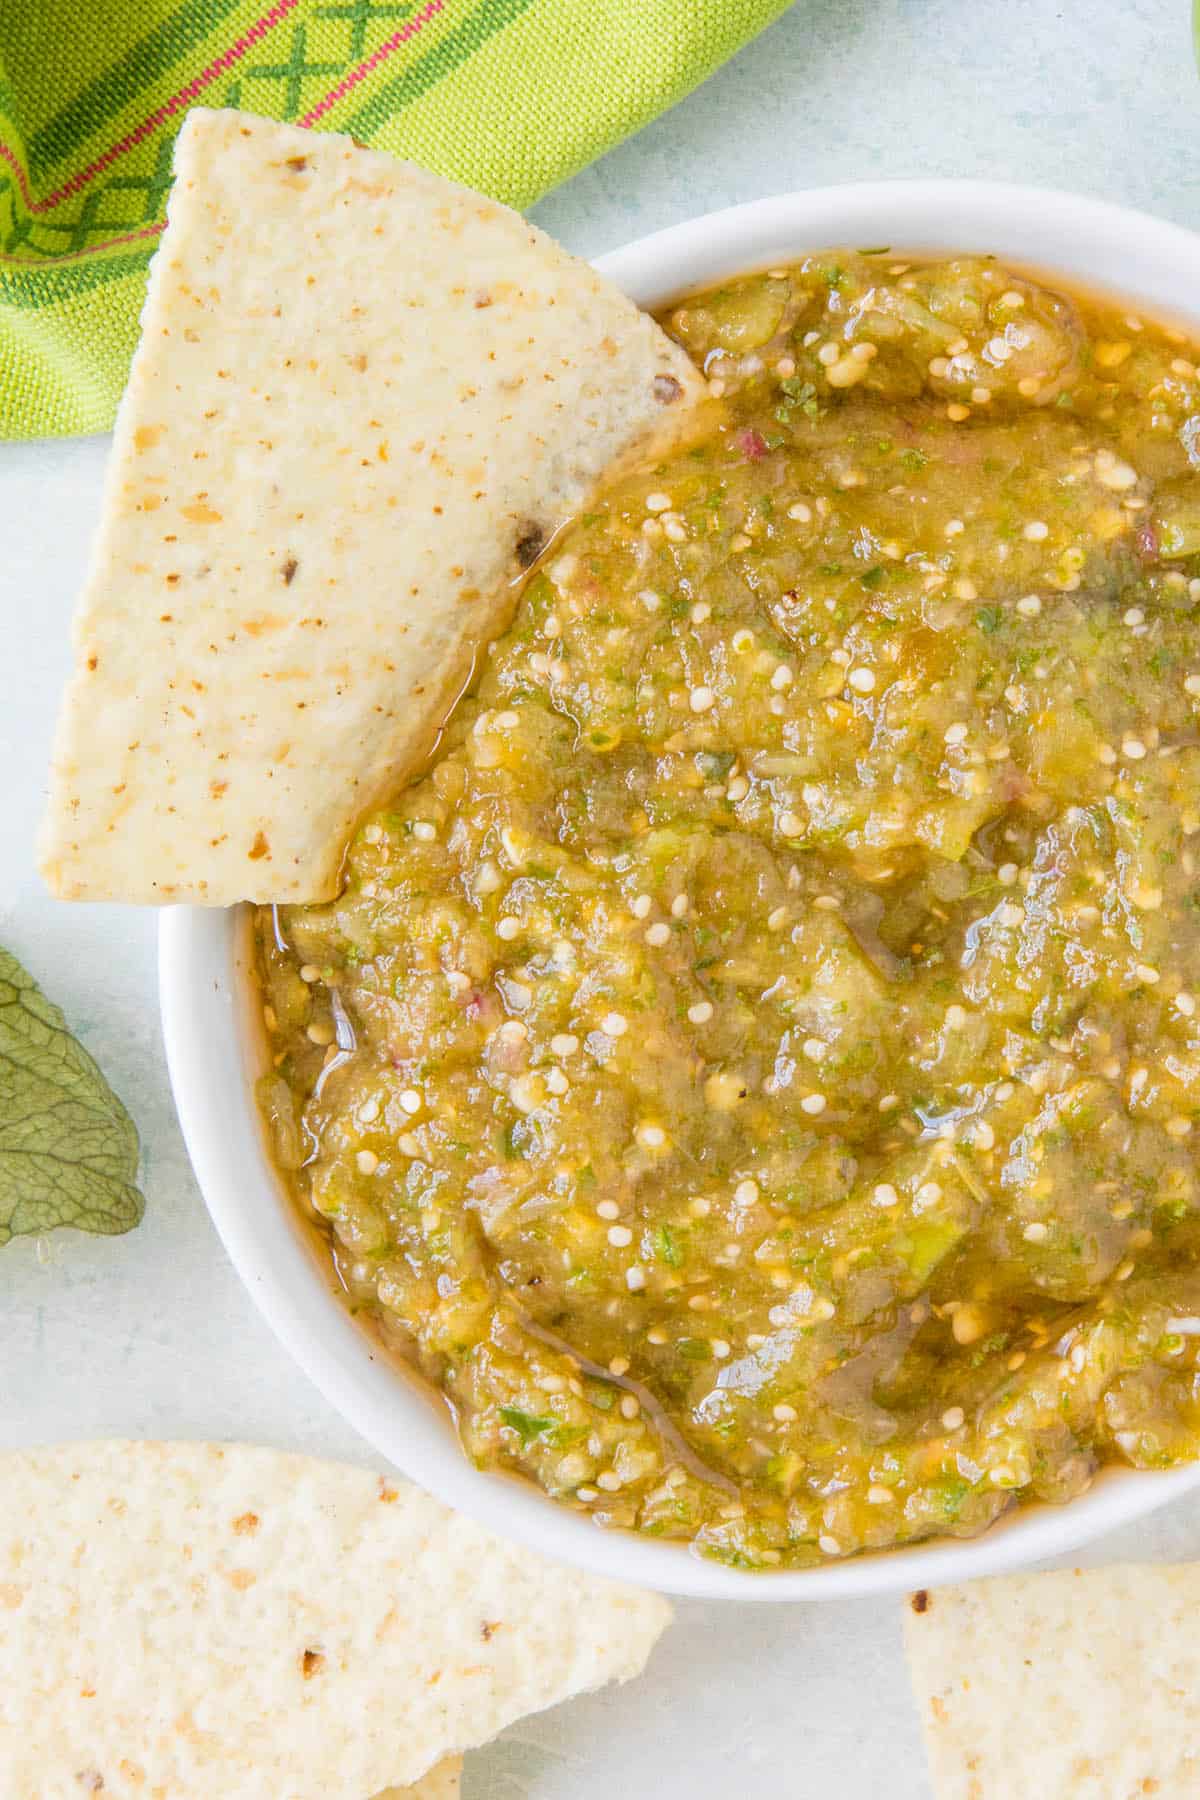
527	1426
667	1247
949	1495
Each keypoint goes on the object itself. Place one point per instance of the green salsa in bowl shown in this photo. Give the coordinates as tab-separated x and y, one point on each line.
751	1072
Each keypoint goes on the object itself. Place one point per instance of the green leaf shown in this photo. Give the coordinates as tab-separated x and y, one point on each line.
526	1425
68	1148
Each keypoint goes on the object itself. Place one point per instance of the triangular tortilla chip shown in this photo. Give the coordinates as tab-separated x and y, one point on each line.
217	1622
1081	1684
442	1783
363	400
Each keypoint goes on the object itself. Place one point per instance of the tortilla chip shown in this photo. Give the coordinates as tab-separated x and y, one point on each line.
442	1783
363	400
198	1620
1075	1685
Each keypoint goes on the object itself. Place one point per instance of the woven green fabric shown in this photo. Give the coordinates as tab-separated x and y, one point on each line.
510	96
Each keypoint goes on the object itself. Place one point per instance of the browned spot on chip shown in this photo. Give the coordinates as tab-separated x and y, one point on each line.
289	571
482	300
146	436
666	389
530	544
489	1628
299	163
259	848
11	1595
90	1779
93	662
246	1522
920	1601
311	1663
241	1579
387	1493
199	513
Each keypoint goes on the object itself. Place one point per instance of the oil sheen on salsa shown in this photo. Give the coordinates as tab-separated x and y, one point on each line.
754	1070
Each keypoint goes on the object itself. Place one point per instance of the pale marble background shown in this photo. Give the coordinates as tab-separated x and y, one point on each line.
151	1334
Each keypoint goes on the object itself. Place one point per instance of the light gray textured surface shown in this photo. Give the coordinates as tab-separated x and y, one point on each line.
151	1334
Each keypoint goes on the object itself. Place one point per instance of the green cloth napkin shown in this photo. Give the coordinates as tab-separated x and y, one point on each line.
510	96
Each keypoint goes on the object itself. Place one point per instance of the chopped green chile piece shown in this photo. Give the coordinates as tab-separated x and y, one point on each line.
753	1071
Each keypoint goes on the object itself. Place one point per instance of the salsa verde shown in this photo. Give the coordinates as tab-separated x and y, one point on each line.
754	1070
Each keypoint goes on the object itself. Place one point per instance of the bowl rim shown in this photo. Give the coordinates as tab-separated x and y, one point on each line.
209	1045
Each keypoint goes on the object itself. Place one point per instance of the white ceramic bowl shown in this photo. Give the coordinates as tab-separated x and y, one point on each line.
205	1013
